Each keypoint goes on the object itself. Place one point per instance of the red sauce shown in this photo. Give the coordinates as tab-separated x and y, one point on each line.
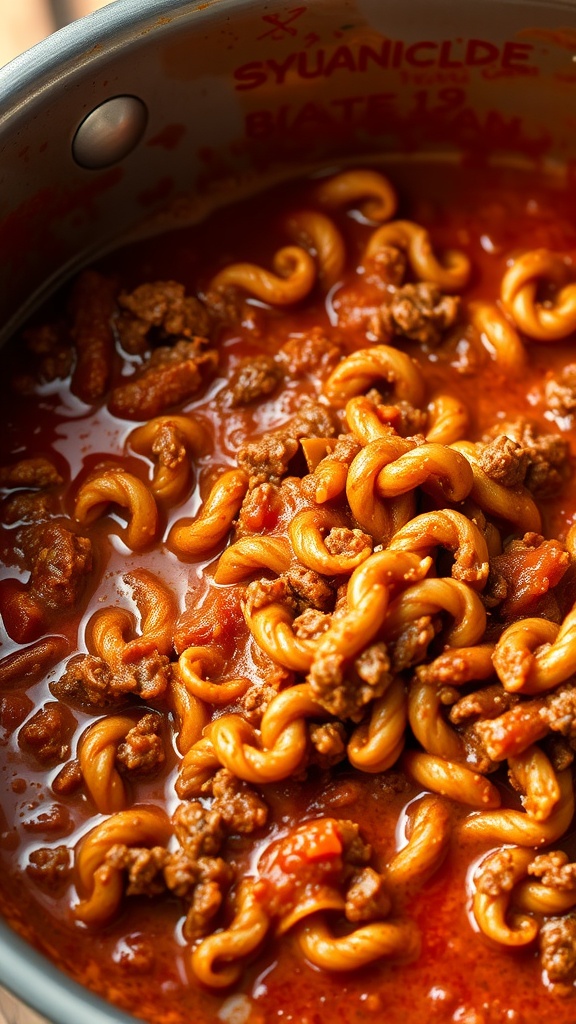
140	961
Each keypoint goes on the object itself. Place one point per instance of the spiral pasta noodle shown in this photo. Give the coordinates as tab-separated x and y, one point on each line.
293	277
543	322
452	274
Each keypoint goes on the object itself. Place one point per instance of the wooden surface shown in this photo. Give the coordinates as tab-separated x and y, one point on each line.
25	22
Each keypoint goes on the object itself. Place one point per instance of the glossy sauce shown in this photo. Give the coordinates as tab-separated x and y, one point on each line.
140	960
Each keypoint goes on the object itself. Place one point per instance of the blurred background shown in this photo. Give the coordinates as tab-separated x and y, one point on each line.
25	22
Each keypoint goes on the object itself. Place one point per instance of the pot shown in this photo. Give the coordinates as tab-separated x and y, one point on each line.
147	116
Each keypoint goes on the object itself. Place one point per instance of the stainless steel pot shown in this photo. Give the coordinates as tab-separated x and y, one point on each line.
146	115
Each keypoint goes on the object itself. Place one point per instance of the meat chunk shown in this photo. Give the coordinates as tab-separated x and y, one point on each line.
48	733
553	869
548	455
496	874
50	867
241	809
411	646
266	460
50	344
90	681
561	393
253	379
163	306
505	461
36	472
59	561
559	711
298	589
28	507
367	898
142	751
311	353
170	376
558	948
345	689
68	779
329	742
488	703
143	866
342	541
313	420
93	304
311	624
416	311
199	830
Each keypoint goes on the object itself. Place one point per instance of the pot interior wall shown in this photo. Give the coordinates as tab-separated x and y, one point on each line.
238	95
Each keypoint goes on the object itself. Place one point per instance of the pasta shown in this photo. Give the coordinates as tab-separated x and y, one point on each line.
287	686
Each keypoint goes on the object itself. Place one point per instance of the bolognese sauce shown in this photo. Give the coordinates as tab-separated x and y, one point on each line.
288	529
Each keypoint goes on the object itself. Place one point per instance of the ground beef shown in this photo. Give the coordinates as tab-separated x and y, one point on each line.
171	375
345	689
559	711
266	460
93	305
56	820
488	703
68	779
411	646
241	809
50	343
35	472
252	379
231	306
366	897
309	588
255	701
298	589
311	353
416	311
142	751
143	866
561	394
59	561
50	867
313	420
329	742
311	624
199	830
505	461
169	446
356	850
90	681
553	869
548	455
496	874
558	948
48	733
342	541
164	306
28	507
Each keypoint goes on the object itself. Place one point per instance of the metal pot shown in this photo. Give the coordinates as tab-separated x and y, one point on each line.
147	115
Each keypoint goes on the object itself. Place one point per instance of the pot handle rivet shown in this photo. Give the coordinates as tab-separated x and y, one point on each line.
109	132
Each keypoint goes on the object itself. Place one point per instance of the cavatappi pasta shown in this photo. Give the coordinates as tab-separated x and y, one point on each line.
288	677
